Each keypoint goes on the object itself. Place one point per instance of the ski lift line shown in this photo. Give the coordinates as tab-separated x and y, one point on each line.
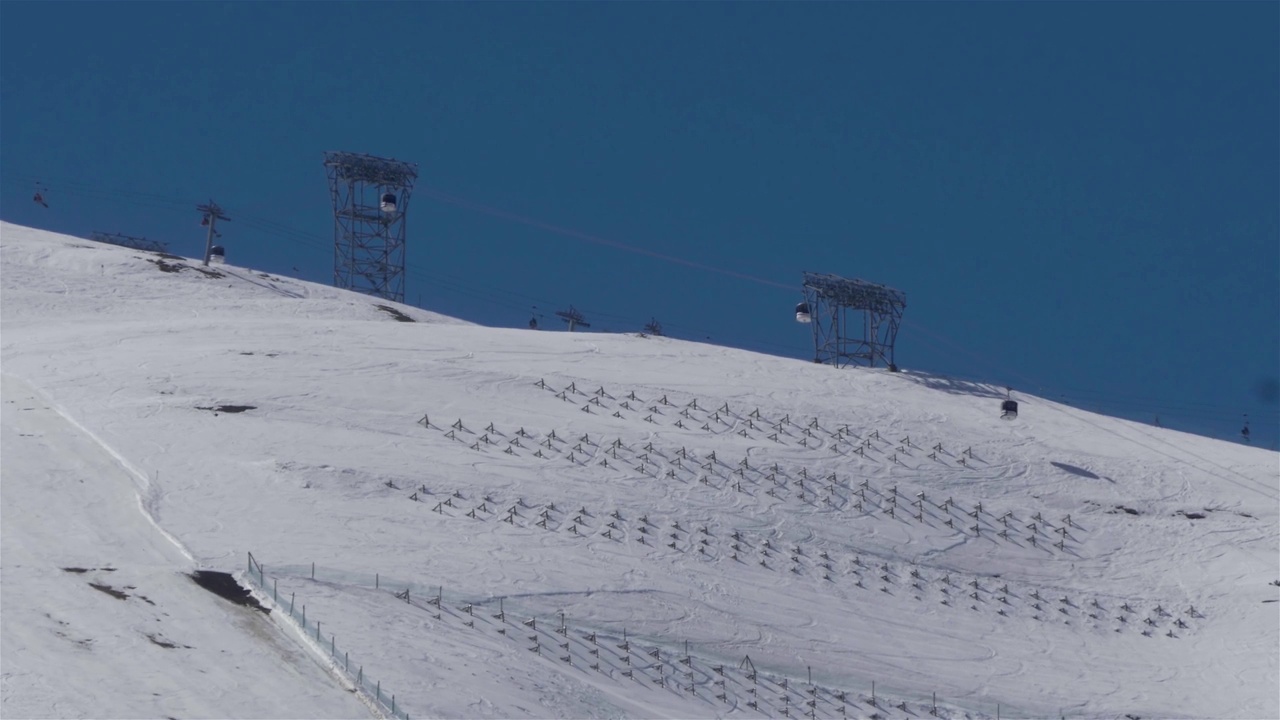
78	188
1107	398
280	230
450	282
485	295
587	237
1173	411
595	239
1102	399
1120	398
984	361
1124	409
277	229
1249	483
116	199
436	278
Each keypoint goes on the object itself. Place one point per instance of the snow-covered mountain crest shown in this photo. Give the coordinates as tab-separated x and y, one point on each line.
512	523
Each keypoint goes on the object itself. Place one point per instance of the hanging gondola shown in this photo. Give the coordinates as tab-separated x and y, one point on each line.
802	313
388	203
1008	409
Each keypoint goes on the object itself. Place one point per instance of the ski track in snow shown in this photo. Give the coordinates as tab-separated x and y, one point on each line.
862	579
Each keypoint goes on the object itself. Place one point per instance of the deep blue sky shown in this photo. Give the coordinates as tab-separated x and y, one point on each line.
1081	200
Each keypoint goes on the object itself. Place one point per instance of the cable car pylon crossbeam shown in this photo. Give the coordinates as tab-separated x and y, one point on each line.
854	321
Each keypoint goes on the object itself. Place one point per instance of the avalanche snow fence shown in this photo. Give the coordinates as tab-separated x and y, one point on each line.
341	660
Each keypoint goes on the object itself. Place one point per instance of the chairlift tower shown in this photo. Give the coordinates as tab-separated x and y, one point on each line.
854	321
210	217
370	201
573	317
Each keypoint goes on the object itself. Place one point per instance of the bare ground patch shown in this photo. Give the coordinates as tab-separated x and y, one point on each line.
395	313
227	408
225	586
104	588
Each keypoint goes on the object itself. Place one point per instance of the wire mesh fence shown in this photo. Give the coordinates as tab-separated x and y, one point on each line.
350	667
705	674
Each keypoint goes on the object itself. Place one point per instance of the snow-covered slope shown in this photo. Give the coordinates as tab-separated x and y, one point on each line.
673	514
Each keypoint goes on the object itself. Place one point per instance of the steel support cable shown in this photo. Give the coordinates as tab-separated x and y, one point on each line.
595	239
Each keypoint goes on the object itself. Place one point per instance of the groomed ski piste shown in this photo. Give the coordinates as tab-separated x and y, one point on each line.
510	523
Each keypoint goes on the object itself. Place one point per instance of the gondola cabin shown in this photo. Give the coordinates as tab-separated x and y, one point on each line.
388	203
802	313
217	255
1009	409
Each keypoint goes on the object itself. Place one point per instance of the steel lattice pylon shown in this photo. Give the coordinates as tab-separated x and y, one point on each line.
837	306
369	238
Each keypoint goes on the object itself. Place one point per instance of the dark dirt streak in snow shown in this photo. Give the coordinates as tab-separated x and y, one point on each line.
394	313
229	408
225	586
117	594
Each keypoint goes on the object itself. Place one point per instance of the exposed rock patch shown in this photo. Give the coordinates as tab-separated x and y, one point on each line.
395	313
225	586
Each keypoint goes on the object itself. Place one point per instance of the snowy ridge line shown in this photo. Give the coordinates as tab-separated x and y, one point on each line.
146	503
369	690
709	671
